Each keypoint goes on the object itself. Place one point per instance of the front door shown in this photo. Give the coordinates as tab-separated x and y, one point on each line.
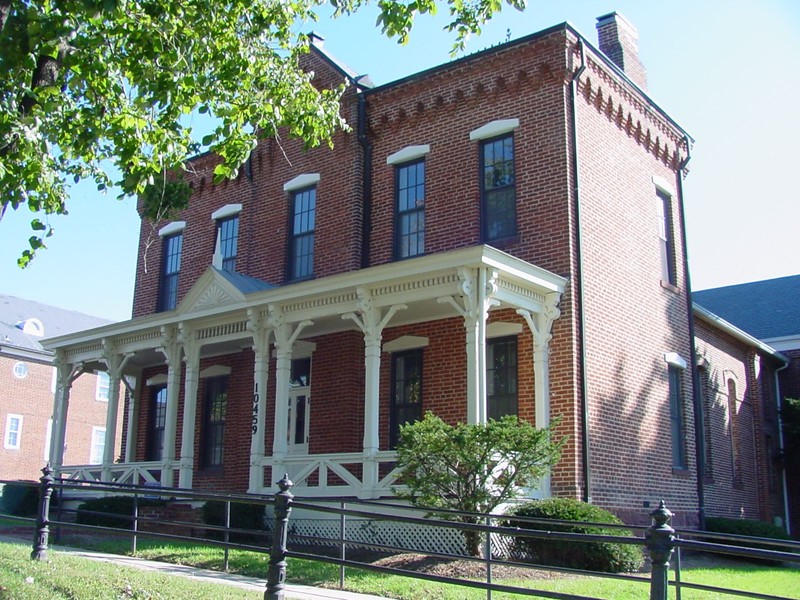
299	406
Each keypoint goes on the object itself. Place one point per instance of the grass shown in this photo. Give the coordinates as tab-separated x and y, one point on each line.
776	580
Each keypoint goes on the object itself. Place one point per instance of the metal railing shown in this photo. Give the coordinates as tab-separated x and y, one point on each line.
661	542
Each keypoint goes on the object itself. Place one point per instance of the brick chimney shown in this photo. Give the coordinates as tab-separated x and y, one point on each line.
618	40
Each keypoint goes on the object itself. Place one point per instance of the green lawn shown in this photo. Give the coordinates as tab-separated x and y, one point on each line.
782	581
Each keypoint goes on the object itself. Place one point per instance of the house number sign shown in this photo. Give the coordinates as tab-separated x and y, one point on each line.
255	410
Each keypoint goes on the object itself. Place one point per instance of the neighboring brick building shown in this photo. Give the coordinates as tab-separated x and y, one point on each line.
770	311
27	385
500	234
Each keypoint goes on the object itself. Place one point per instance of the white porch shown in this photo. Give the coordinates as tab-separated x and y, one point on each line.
225	313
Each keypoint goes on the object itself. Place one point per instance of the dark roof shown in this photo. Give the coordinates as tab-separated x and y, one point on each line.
245	283
764	309
55	321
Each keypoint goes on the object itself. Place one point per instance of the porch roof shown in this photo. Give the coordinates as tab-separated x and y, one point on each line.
219	310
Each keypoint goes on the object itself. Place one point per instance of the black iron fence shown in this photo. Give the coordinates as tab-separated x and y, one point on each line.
336	543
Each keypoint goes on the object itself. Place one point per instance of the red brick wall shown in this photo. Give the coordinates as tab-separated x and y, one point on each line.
32	398
755	489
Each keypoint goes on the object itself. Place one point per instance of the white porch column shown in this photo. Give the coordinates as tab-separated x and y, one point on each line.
540	325
477	291
371	324
115	362
261	331
66	373
171	349
191	356
134	385
284	338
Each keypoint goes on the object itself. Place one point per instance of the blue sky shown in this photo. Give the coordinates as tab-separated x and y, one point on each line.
726	70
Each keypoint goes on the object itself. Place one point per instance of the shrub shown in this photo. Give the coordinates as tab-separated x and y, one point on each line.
751	528
117	511
21	499
594	556
243	516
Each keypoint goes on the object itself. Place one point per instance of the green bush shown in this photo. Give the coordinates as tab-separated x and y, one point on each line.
21	499
243	516
118	511
594	556
751	528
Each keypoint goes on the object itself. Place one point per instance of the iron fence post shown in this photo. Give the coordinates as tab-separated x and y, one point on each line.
342	550
227	534
660	542
42	532
276	574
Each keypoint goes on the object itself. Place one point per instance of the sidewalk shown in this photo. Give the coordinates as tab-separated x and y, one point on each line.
298	592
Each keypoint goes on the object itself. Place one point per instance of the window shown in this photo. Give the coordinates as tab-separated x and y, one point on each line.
158	418
20	370
676	418
501	377
498	193
301	250
216	405
103	385
666	238
733	430
410	219
171	266
13	432
228	234
707	403
406	399
98	445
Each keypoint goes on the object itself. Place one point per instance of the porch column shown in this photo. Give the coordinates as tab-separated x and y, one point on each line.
171	349
371	324
540	325
191	356
284	338
115	362
66	373
134	385
477	291
261	331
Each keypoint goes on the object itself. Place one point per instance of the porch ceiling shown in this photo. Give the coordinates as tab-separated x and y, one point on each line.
219	313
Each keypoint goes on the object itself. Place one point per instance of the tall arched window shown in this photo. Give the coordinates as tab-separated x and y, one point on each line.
733	430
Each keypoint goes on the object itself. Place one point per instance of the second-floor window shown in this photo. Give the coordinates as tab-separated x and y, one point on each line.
301	244
228	232
410	228
666	238
501	377
498	190
170	269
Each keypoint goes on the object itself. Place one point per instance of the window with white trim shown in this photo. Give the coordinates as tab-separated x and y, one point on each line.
410	206
666	237
98	445
20	370
13	436
103	386
228	234
170	271
301	244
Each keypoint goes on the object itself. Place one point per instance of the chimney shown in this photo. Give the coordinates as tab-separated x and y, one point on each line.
618	40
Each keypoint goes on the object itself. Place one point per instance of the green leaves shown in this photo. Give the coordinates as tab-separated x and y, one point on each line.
120	76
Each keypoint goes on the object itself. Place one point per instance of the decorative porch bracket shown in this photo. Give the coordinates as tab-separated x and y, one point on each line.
371	322
478	288
284	338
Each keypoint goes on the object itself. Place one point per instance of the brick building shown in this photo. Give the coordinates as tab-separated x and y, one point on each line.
27	383
500	234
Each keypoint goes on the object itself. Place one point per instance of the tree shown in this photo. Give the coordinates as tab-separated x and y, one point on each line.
472	468
89	84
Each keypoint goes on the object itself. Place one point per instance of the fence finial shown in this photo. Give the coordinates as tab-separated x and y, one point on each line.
660	541
276	574
42	532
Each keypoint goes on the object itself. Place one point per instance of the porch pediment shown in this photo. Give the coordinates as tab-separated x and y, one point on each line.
210	291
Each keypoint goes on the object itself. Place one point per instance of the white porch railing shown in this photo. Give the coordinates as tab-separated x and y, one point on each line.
138	473
322	475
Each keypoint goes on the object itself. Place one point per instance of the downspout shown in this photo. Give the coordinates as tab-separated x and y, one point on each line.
699	426
781	449
587	473
366	180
